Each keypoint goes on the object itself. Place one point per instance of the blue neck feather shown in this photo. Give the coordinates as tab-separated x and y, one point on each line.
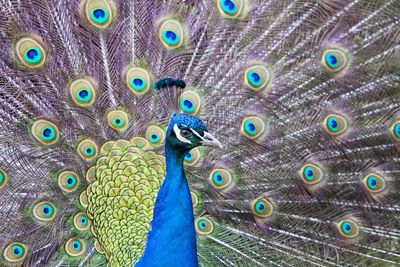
172	239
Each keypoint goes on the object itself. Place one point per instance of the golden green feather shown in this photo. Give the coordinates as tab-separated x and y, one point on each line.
122	198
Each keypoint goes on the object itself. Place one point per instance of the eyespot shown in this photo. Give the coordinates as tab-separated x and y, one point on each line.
15	252
220	178
192	157
87	149
138	80
335	125
172	34
83	92
232	8
30	53
262	207
334	60
311	174
155	135
257	77
100	13
374	183
395	131
81	222
252	127
75	247
190	102
44	211
195	199
68	181
83	199
45	132
204	226
3	178
118	120
348	228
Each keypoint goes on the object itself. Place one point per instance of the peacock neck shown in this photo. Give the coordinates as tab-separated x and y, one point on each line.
172	239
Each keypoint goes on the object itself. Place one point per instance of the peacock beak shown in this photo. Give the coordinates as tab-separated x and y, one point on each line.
209	140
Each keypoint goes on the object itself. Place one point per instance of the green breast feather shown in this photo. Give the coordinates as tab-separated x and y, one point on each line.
122	198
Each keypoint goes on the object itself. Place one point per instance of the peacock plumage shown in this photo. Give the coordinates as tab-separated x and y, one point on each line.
106	161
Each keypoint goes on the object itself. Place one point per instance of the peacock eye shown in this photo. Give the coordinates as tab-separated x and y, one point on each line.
335	125
257	77
334	60
155	135
204	226
138	80
186	133
45	132
232	9
172	34
220	178
44	211
311	174
87	149
83	92
30	52
395	130
81	222
374	183
118	120
262	207
348	228
100	13
75	247
15	252
3	178
68	181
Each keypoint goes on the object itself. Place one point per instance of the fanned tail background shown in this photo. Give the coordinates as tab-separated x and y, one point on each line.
304	95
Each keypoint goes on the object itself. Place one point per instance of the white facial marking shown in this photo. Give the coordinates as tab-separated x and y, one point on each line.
179	136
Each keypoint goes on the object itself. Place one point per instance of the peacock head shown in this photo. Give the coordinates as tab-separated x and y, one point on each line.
186	132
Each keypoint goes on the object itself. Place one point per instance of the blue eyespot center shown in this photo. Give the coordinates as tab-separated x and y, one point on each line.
333	124
372	182
202	224
47	132
154	138
76	244
89	151
47	210
187	105
33	55
346	227
309	173
83	220
250	128
218	179
188	156
84	95
229	6
99	15
18	250
332	60
254	78
138	84
171	37
397	130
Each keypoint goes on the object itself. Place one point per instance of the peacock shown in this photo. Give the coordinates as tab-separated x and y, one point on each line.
163	133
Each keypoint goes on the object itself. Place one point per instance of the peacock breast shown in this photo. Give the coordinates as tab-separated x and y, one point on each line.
121	199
